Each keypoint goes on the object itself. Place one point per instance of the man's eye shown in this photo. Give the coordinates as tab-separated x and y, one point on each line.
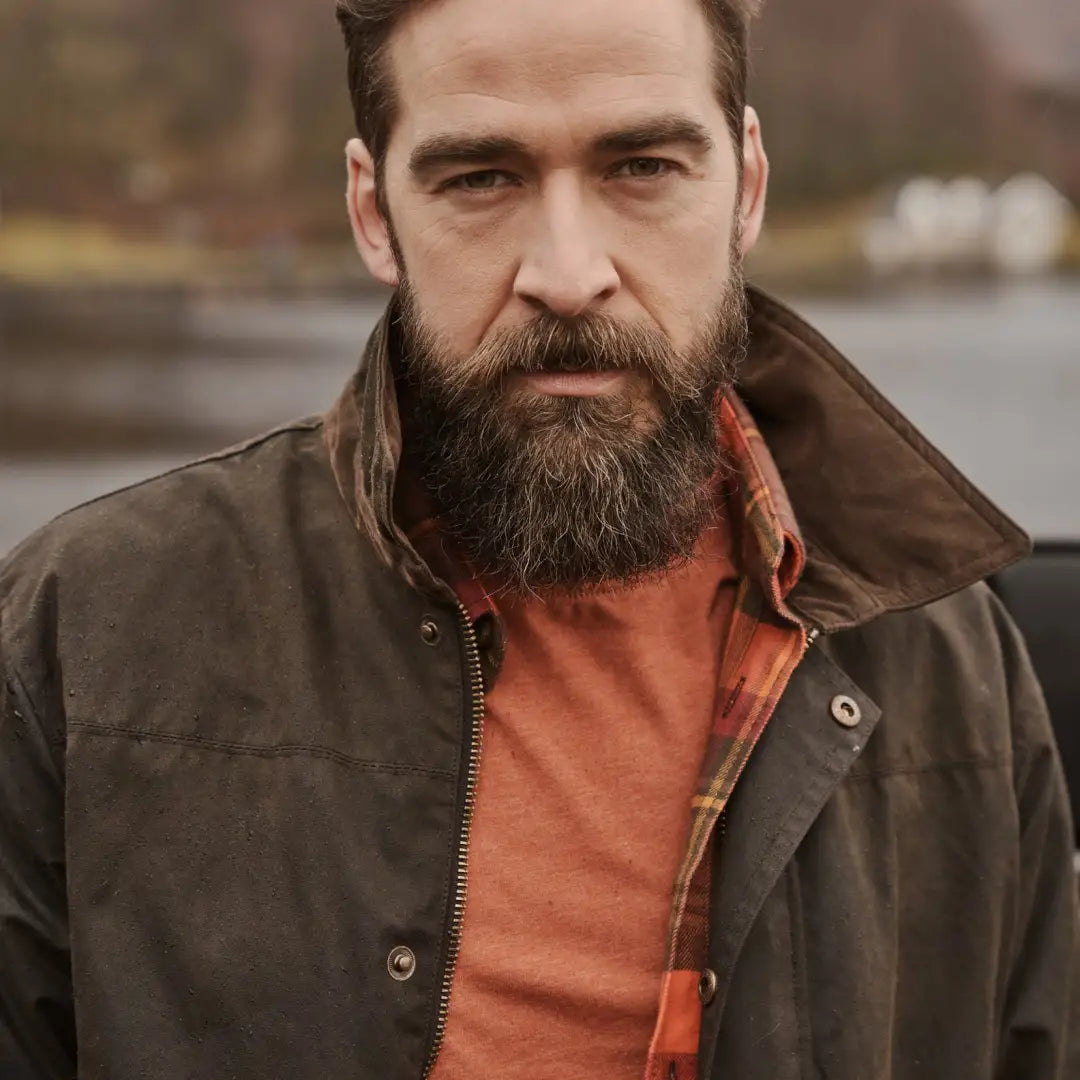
646	168
483	180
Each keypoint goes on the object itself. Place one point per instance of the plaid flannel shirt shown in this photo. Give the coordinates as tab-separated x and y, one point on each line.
764	644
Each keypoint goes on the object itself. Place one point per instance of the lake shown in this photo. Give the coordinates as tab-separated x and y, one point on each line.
991	375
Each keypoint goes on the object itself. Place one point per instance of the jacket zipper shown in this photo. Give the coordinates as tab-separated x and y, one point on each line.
476	740
476	694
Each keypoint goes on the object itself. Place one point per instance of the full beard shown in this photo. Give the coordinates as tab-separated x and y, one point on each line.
571	493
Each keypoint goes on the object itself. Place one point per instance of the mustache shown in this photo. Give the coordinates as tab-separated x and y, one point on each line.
594	344
549	343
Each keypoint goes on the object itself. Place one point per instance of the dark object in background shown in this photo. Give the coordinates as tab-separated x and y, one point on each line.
1043	596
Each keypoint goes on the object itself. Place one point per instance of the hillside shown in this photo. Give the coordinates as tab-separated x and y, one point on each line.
853	91
224	119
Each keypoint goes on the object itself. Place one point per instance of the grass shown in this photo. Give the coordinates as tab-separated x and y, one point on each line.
46	251
42	251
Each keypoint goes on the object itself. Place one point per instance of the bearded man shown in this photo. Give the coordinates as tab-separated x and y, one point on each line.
603	688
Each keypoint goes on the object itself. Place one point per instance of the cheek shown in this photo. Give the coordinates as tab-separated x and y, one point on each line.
461	278
678	271
698	232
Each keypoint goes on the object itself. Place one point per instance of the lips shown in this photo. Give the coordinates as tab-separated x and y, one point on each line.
573	383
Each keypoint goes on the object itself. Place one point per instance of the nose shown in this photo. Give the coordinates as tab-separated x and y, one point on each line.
565	267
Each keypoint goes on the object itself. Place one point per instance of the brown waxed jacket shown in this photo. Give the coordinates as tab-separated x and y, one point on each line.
238	736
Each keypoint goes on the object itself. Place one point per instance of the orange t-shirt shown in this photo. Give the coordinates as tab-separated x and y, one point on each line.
594	737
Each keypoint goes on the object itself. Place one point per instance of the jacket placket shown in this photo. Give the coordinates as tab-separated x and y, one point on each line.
802	758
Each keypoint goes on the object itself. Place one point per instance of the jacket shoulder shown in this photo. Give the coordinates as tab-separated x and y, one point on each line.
165	532
953	680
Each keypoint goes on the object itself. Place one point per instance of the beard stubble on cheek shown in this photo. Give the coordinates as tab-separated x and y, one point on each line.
568	493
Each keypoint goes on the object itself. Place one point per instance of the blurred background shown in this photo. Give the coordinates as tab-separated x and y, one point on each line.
176	271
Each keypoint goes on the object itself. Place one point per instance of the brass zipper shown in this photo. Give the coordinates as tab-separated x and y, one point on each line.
476	741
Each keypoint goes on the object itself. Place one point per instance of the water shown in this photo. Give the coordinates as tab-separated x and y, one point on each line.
991	376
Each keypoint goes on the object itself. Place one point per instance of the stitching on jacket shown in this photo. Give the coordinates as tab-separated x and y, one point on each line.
996	762
294	750
797	946
977	570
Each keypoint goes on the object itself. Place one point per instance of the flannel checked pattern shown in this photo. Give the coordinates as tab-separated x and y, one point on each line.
764	644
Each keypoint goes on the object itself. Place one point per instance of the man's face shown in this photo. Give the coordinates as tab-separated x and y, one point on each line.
565	220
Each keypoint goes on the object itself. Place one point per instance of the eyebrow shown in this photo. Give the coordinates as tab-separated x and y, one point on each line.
445	150
656	131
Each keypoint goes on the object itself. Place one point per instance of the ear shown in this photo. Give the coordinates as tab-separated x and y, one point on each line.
755	181
368	226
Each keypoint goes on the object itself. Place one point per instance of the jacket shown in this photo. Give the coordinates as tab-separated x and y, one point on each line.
238	748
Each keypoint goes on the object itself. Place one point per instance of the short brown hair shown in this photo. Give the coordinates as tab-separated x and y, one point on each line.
368	25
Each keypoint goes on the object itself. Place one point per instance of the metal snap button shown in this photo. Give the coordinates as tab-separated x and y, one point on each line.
706	986
430	632
845	711
401	963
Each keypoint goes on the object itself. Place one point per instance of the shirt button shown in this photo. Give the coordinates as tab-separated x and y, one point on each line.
845	711
401	963
706	986
430	632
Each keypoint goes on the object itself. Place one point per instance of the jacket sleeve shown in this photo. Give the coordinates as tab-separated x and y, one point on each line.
1040	1036
37	1028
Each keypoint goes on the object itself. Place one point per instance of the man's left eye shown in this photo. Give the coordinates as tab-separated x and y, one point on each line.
646	168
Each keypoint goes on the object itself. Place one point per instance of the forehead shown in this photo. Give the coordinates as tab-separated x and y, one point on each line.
492	62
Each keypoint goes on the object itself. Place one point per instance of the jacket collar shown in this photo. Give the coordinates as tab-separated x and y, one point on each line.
888	523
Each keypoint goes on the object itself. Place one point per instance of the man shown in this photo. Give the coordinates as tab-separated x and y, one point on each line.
603	688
